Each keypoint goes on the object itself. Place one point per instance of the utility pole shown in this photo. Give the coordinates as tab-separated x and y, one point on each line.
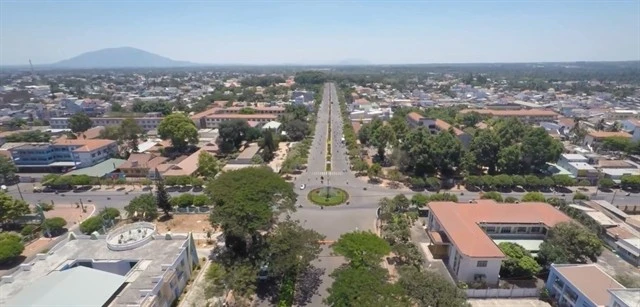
19	191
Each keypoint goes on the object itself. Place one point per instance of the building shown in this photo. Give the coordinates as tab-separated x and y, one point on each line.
437	125
186	167
594	138
464	235
151	121
587	285
632	126
131	266
140	164
275	126
526	116
629	250
212	118
579	167
62	154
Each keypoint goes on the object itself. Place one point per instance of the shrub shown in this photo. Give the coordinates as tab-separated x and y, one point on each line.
201	200
54	225
27	230
510	199
417	183
580	196
91	224
492	195
110	213
10	247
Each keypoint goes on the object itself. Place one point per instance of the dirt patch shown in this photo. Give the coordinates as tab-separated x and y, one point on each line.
70	213
182	223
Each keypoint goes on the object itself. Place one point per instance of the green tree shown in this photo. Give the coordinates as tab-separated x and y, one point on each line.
54	225
116	107
80	122
419	200
485	147
492	195
448	151
617	144
421	153
163	200
580	196
510	131
91	225
297	129
469	119
374	171
426	288
518	180
292	248
630	181
533	197
361	248
129	131
11	208
143	207
7	169
362	286
364	134
382	137
215	280
10	247
568	242
207	165
538	148
180	129
432	183
399	126
606	183
519	263
563	180
509	159
232	133
248	201
269	146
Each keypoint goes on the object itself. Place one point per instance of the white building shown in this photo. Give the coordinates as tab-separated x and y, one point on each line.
132	266
465	235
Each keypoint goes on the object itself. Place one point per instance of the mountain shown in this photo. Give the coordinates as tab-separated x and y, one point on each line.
123	57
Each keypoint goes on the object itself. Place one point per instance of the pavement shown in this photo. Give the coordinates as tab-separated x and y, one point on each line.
508	302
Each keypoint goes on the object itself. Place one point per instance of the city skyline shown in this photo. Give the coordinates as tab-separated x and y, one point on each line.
288	32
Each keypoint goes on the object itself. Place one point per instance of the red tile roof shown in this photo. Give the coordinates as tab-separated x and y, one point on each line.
414	116
514	113
461	222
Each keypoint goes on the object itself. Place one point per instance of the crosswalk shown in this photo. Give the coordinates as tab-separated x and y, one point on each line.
327	173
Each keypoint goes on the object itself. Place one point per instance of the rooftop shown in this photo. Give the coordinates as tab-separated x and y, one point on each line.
608	134
631	297
461	222
84	144
589	279
522	113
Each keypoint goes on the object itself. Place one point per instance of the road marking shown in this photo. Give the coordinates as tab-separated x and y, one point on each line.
327	173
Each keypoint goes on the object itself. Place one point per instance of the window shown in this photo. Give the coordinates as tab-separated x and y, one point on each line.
505	230
535	229
521	229
491	229
482	264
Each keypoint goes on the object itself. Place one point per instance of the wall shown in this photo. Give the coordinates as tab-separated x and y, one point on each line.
502	293
120	267
557	294
469	268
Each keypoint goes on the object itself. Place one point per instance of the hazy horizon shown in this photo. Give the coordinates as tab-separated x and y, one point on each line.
325	33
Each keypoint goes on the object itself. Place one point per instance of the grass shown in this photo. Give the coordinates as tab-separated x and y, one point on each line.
318	197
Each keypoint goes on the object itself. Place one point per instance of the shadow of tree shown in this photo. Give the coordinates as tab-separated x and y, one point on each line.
307	285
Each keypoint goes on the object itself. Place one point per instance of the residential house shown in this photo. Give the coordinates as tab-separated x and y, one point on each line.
140	165
579	167
587	285
465	235
186	167
437	125
275	126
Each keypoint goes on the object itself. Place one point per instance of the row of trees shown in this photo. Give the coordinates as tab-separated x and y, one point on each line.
506	182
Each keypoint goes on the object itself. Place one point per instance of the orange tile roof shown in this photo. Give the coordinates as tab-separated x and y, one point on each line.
84	144
143	161
414	116
243	116
185	167
461	222
514	113
608	134
443	126
92	133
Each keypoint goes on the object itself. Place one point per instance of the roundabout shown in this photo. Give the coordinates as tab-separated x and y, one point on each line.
328	196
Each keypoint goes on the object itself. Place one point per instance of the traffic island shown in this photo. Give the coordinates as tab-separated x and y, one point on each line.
328	196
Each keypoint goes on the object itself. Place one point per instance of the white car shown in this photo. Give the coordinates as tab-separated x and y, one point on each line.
302	186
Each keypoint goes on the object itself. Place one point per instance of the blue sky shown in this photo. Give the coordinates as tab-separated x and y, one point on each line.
320	32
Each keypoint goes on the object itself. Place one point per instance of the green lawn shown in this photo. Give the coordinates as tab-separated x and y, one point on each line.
336	197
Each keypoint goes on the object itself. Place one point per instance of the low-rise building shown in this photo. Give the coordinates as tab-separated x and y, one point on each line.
212	118
62	154
587	285
434	126
131	266
148	122
140	164
579	167
464	235
595	138
526	116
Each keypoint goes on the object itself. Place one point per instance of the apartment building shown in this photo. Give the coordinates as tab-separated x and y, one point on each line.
62	154
131	266
466	235
150	121
416	120
530	116
587	285
212	118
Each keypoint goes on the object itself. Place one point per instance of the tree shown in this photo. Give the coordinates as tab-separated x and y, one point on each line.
129	131
399	126
11	208
492	195
617	144
538	148
10	247
207	165
269	146
568	242
510	131
116	107
533	197
485	147
80	122
469	119
448	151
7	169
518	180
91	225
215	277
247	201
143	207
361	248
163	199
606	183
232	133
110	213
420	150
532	181
427	288
563	180
180	129
509	159
364	134
630	181
580	196
382	137
297	129
519	263
362	286
54	225
432	183
419	200
292	248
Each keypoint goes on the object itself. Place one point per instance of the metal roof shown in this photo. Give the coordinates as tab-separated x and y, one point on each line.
100	169
79	286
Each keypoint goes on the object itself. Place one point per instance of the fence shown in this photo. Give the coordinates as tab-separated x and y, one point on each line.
502	293
191	210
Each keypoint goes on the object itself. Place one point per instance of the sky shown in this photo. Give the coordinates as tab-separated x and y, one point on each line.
324	32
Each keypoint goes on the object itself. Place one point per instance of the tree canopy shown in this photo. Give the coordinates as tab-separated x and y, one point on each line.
143	207
80	122
363	286
10	247
207	165
427	289
11	208
361	248
180	129
569	242
519	263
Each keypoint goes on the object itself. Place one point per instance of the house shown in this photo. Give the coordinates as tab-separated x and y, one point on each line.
579	167
629	249
632	126
62	154
130	266
464	235
437	125
526	116
186	167
587	285
140	164
594	138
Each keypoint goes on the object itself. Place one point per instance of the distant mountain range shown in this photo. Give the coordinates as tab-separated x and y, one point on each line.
123	57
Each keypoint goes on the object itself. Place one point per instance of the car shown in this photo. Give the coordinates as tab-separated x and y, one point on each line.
302	186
